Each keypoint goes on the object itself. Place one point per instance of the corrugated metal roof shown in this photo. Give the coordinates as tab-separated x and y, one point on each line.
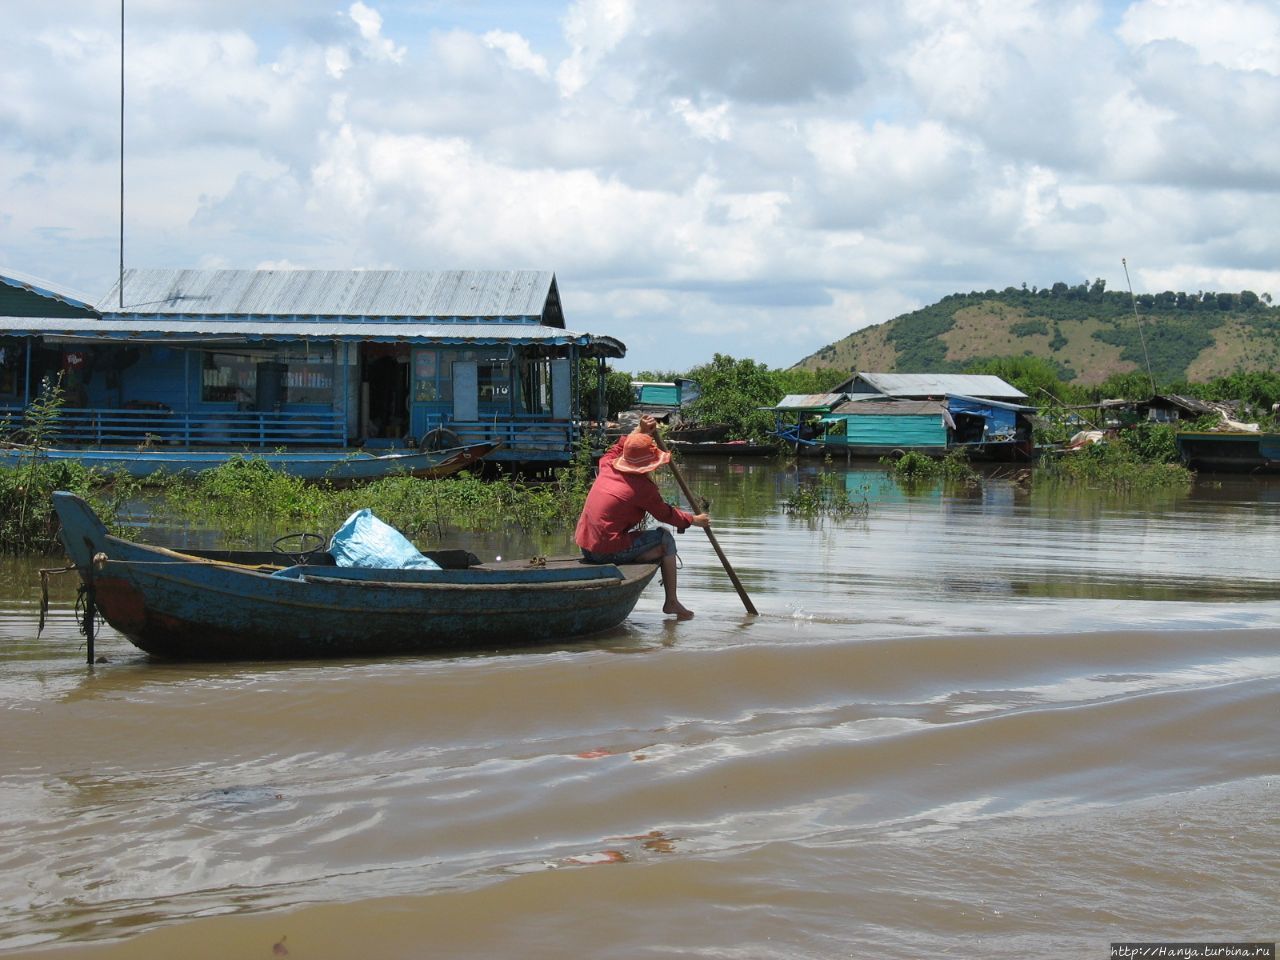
938	385
43	288
808	401
457	295
889	408
217	330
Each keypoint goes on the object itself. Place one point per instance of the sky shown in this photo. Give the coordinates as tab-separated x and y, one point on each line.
750	177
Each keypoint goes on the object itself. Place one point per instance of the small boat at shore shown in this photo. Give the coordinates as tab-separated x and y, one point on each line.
243	605
699	433
337	466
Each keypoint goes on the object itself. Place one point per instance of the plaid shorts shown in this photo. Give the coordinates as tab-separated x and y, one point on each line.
645	541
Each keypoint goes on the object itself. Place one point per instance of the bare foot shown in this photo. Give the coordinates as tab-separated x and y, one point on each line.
679	609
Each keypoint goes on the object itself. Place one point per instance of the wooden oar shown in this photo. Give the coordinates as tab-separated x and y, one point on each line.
698	507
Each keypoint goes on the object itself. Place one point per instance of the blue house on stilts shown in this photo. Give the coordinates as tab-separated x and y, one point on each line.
263	359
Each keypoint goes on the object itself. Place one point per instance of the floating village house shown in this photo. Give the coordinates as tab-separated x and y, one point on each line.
297	358
886	413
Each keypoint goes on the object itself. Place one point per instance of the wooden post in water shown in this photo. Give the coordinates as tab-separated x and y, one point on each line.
90	612
698	506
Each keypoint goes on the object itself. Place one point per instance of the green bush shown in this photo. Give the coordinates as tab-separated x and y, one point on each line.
733	392
913	465
1115	466
1151	443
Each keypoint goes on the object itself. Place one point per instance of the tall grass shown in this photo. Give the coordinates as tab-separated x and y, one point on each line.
245	495
28	523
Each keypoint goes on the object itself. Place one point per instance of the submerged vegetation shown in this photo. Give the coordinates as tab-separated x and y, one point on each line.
913	467
825	496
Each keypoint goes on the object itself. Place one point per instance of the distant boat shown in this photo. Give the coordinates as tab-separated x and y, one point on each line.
343	466
699	433
729	448
1229	451
234	605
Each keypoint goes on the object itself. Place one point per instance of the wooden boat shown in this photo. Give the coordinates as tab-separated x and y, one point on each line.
1229	451
261	606
338	466
699	433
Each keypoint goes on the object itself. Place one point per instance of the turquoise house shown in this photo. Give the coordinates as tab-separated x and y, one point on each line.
879	428
892	413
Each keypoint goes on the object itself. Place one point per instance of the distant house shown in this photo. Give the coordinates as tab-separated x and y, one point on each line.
1172	408
929	386
332	358
797	419
663	395
889	413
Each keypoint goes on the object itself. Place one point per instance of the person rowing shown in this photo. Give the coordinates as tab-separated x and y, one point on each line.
624	492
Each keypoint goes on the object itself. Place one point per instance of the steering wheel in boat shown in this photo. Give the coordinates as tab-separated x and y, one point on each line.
307	546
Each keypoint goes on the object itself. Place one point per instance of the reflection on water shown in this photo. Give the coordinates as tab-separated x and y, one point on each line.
978	721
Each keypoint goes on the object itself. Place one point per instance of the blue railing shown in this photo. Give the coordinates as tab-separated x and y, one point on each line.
236	428
532	438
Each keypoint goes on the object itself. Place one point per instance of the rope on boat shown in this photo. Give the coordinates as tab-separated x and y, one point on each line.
85	605
45	574
83	601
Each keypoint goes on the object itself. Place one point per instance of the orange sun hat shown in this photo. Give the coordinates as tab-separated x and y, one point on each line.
640	454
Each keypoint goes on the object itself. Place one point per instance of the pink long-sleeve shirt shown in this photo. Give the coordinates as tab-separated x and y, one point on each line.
618	502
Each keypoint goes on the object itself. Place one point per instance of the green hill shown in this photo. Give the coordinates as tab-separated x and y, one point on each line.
1088	332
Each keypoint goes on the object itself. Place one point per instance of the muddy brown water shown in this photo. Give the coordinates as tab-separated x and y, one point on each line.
975	723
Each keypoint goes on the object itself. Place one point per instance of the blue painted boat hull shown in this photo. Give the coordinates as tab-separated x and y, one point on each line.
335	466
179	606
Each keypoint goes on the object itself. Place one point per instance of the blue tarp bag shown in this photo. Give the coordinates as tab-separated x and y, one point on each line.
365	541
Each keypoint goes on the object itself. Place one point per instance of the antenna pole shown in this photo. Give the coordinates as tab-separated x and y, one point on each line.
1134	300
121	284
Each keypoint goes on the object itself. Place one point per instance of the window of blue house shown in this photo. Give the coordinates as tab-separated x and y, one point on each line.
494	380
302	376
432	376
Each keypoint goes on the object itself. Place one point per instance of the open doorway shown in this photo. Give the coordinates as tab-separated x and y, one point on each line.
386	391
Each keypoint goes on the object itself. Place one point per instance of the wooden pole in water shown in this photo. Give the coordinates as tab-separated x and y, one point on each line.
90	612
696	503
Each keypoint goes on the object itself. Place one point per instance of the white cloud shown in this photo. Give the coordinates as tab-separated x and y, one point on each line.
736	175
1195	277
369	21
518	52
593	28
1236	34
709	124
337	61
